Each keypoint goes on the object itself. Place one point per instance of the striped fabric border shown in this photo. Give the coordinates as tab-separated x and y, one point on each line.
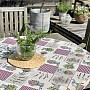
62	52
48	68
27	88
42	43
84	69
4	75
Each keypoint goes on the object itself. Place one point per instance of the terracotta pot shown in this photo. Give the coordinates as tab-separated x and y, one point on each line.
81	18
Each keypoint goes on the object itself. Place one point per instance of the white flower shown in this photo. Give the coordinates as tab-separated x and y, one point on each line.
80	10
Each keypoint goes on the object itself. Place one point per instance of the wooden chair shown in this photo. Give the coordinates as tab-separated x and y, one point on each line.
12	20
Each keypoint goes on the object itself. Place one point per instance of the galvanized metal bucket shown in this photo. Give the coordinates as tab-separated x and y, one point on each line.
40	21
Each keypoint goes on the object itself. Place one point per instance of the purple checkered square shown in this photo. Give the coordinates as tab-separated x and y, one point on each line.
62	52
42	43
48	68
9	41
27	88
4	75
84	69
88	53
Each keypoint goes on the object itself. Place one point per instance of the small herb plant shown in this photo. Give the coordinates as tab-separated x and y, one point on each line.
63	6
27	43
80	10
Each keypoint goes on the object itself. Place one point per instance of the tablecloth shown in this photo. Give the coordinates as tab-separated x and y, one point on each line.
67	67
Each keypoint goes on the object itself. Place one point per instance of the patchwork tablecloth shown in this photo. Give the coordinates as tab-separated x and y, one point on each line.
67	67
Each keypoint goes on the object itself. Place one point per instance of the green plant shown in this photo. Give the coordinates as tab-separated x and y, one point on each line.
27	43
63	6
80	10
30	38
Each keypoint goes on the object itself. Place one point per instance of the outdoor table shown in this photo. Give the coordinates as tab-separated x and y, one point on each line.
67	67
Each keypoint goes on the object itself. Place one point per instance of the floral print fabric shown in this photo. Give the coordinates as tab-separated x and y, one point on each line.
67	67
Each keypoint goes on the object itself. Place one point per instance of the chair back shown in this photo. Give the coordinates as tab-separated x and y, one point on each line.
12	20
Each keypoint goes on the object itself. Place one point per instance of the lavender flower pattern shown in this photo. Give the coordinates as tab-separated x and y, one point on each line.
59	69
35	83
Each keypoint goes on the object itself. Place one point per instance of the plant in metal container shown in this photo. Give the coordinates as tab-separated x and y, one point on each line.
81	14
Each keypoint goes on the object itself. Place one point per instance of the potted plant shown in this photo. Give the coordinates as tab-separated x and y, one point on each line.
63	7
25	55
26	44
40	18
81	14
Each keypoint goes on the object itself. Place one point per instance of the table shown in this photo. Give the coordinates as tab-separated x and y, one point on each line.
67	67
74	32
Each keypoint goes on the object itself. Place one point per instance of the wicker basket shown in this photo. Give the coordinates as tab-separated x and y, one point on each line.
81	18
